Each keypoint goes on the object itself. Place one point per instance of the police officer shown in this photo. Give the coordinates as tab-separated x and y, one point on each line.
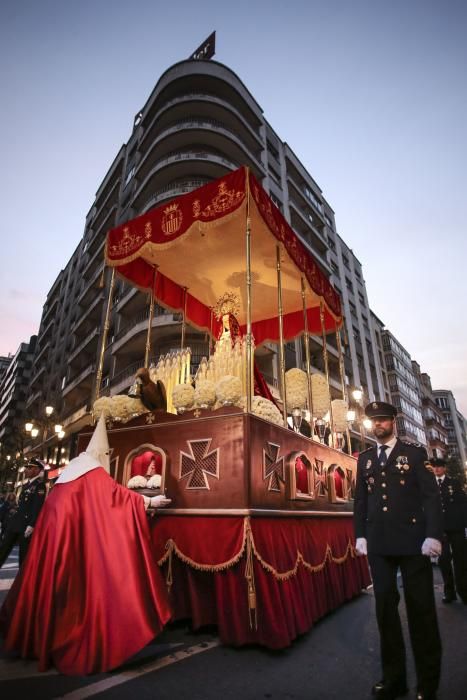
398	523
454	502
21	525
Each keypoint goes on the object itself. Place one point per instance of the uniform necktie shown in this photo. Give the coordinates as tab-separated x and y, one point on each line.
383	458
440	482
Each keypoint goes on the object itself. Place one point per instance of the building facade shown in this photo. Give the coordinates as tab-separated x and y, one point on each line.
433	417
199	123
455	424
14	382
404	389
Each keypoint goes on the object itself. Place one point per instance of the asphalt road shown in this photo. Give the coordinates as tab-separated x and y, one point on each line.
338	658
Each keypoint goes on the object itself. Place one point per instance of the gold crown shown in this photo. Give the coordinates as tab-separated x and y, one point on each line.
228	303
171	208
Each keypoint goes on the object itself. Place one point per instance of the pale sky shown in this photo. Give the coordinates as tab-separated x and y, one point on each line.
370	94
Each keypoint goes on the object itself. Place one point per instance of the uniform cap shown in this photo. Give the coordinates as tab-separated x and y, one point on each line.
380	409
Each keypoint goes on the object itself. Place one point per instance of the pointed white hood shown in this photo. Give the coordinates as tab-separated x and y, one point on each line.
96	455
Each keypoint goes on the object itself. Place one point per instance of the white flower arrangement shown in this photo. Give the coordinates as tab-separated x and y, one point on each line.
119	408
296	388
339	414
229	389
264	408
320	395
137	482
205	393
154	482
183	396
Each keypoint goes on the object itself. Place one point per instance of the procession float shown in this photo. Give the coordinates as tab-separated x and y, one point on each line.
258	537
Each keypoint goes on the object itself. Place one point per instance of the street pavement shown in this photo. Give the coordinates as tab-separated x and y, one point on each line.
338	658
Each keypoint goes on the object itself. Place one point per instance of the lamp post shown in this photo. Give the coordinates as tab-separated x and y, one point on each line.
357	415
33	427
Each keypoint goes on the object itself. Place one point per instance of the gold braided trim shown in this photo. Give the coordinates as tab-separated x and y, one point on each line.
171	548
249	543
313	568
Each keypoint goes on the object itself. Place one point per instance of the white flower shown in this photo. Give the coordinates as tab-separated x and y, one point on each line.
137	482
154	482
339	414
296	388
183	396
205	393
264	408
119	408
320	395
229	389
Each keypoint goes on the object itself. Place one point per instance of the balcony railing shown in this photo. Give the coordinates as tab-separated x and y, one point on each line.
95	332
75	381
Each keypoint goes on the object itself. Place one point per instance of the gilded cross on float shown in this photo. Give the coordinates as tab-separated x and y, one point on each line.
199	464
273	466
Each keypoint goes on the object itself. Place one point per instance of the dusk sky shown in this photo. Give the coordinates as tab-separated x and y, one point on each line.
370	94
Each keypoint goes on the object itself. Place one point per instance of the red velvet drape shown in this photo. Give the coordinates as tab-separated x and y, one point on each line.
302	567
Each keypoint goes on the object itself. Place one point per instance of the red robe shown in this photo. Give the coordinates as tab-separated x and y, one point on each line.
89	594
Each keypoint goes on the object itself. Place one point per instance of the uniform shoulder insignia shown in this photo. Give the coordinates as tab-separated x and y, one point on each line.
367	450
412	444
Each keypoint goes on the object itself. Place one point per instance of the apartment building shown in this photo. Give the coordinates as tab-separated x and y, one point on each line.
14	382
433	418
455	424
404	389
199	123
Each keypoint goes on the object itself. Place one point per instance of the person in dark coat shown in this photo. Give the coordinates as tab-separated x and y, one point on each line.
20	526
454	502
398	524
7	511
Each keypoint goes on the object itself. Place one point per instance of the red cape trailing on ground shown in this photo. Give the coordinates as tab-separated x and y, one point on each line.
89	594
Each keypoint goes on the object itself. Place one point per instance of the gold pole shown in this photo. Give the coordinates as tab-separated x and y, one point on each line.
249	359
151	316
307	354
281	334
344	389
210	334
104	336
326	368
183	318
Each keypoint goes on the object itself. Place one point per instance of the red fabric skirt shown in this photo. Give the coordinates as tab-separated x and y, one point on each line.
89	594
300	569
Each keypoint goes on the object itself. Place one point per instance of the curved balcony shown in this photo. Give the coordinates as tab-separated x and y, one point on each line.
92	313
35	378
41	352
222	80
180	165
213	134
171	191
33	398
212	104
131	337
81	378
92	336
91	287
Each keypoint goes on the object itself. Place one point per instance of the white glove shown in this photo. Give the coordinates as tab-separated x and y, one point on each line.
160	501
431	547
28	531
360	547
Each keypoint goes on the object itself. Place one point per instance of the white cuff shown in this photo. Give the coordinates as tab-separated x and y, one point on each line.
361	547
431	547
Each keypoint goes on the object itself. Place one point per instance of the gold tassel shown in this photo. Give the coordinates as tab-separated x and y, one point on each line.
250	577
169	577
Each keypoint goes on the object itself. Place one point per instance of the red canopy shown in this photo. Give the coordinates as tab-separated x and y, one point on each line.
197	243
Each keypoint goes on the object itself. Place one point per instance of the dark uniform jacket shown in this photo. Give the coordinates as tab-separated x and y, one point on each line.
29	504
454	502
396	506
